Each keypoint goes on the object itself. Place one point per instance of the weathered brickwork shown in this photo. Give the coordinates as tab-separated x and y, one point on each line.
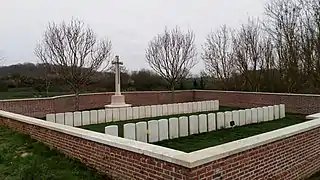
295	157
295	103
42	106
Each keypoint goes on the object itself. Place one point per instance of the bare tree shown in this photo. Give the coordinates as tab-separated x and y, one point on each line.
172	55
253	54
74	53
217	55
283	26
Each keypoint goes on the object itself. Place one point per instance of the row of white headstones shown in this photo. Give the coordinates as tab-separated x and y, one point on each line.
129	113
159	130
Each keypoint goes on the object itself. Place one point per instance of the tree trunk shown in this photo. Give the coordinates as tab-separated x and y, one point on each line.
77	101
172	93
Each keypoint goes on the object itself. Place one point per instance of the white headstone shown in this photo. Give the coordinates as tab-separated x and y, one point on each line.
142	112
185	108
141	130
115	114
129	113
211	122
276	112
109	116
199	106
170	109
208	106
68	118
181	108
153	131
203	124
265	113
135	113
154	112
260	114
93	117
77	119
190	107
60	118
173	128
159	110
165	109
123	114
129	131
220	120
51	117
163	129
111	130
101	116
227	119
248	116
194	107
148	111
203	106
254	115
216	105
282	111
271	113
193	124
242	117
211	106
236	117
183	126
176	108
85	118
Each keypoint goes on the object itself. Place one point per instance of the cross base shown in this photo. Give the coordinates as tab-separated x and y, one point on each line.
117	101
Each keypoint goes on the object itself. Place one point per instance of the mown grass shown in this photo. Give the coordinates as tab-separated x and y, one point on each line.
22	158
100	127
209	139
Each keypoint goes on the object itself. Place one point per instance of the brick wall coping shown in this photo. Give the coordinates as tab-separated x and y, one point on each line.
89	94
217	152
132	92
262	93
189	160
313	116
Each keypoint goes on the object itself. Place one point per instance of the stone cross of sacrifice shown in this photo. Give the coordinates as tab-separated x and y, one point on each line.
117	64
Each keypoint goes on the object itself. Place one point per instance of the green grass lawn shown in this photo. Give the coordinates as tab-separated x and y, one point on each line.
22	158
205	140
100	127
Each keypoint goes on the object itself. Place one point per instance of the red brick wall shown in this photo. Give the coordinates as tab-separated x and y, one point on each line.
42	106
295	103
295	157
115	162
298	103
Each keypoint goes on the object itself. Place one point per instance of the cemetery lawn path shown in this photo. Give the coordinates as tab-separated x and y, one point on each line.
100	127
209	139
22	158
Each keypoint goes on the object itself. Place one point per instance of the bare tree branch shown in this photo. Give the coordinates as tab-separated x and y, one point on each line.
172	55
74	52
217	55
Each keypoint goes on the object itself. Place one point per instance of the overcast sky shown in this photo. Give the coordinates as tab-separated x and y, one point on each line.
129	24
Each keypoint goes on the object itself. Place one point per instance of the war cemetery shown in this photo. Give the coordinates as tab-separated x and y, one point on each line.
200	135
228	103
